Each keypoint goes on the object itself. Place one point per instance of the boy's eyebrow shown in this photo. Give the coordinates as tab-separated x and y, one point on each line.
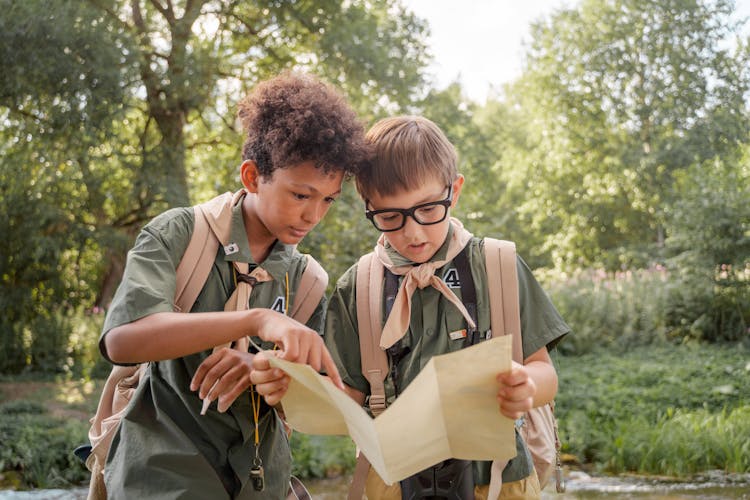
299	185
426	199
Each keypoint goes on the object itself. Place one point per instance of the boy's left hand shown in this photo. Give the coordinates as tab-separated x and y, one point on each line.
515	393
223	375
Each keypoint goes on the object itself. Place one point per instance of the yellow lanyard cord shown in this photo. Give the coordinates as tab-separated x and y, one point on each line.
256	411
286	294
254	395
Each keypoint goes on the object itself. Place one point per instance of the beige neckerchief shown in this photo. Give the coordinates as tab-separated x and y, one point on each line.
420	276
240	298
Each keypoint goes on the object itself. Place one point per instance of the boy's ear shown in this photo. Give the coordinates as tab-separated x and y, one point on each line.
457	185
250	175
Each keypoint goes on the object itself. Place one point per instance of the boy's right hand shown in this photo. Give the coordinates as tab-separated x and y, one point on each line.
297	343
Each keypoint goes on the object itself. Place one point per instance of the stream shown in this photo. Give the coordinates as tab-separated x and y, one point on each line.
711	486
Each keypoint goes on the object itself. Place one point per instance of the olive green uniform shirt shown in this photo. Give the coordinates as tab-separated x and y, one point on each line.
433	318
164	447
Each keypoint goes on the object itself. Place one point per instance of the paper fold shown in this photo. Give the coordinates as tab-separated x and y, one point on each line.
448	411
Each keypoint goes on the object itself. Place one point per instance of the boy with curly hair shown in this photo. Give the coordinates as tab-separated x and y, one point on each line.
302	139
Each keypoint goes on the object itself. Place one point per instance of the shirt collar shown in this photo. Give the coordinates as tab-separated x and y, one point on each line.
279	259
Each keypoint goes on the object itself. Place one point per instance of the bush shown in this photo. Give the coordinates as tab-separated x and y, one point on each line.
39	448
610	310
656	408
321	456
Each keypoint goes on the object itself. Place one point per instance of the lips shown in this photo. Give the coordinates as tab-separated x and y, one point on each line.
299	233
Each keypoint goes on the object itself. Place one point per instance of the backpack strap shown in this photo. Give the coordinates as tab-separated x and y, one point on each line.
369	291
195	265
310	290
502	279
468	294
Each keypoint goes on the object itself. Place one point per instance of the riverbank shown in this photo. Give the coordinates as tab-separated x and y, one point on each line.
710	486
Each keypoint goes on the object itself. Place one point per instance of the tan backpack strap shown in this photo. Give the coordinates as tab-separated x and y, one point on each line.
195	265
369	295
359	479
502	279
310	290
369	323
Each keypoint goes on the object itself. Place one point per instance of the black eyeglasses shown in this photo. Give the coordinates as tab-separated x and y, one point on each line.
393	219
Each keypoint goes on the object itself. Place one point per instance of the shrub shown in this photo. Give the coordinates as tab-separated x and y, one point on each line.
657	408
39	448
321	456
610	310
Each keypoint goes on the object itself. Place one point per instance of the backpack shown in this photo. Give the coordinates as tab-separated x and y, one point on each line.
539	429
212	228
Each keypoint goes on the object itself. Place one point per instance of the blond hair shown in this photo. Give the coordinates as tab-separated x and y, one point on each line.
407	152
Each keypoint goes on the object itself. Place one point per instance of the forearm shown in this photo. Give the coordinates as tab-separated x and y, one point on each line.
170	335
545	379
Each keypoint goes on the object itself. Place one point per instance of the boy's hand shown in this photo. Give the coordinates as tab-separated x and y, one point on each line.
516	392
272	383
223	375
299	344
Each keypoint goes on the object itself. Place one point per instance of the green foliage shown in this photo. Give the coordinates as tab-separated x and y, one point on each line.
112	111
38	447
619	96
612	311
655	409
684	442
321	456
710	243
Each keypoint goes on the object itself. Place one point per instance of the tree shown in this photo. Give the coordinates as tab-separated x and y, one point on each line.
620	96
125	108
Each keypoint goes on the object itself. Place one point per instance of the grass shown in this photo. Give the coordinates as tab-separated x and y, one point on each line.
657	410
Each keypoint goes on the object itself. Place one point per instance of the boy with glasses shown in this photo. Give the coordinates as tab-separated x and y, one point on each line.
409	191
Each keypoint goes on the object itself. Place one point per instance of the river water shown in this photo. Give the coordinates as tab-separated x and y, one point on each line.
579	486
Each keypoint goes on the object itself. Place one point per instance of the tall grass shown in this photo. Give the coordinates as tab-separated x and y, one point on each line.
612	310
683	442
671	410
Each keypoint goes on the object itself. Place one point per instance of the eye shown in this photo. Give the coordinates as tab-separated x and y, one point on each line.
427	210
300	196
329	200
389	216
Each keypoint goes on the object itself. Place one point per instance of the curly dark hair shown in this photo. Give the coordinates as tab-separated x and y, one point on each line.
294	118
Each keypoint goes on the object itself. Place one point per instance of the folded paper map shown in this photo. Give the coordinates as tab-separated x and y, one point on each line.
449	410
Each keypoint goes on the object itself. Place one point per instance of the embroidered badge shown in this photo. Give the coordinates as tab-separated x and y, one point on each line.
231	248
458	334
279	305
451	278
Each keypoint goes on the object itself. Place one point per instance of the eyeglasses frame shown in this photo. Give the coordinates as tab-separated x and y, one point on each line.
409	212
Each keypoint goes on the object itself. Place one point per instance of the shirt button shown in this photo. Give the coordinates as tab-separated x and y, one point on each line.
428	331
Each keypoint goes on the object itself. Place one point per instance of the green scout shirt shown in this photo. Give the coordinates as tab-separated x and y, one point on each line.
164	447
433	317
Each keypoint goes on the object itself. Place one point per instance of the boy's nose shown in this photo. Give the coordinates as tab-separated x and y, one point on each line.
411	226
314	212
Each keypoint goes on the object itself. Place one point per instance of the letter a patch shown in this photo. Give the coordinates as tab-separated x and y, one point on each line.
279	305
451	278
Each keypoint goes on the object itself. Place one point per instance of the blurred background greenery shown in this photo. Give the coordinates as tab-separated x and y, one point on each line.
618	161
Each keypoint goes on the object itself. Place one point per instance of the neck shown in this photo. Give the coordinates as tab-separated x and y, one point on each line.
259	238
